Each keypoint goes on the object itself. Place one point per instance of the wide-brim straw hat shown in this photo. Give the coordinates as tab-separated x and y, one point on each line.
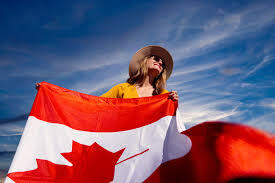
148	51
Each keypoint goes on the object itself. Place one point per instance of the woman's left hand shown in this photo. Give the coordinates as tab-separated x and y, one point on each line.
174	96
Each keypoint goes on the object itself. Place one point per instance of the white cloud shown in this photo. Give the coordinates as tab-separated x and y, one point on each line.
246	85
268	103
197	68
214	31
177	82
205	108
88	87
60	66
198	45
266	59
257	16
254	86
265	122
204	86
229	71
226	27
8	147
10	135
12	129
100	61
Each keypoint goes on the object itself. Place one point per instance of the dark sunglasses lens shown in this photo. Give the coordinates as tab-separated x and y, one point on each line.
156	58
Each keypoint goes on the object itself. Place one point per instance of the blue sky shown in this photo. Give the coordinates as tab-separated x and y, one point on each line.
224	55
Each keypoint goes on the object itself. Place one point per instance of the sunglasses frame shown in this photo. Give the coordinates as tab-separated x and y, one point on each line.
158	59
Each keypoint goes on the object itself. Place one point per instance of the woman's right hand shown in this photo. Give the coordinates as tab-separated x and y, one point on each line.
174	95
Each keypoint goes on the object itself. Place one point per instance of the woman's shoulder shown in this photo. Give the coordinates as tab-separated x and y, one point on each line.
123	85
118	90
164	91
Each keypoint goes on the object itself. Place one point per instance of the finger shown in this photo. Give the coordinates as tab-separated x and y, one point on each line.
37	85
174	93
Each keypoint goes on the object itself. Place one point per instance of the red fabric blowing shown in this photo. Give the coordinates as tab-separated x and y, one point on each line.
222	152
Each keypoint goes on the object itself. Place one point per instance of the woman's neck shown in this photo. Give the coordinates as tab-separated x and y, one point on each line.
146	88
148	81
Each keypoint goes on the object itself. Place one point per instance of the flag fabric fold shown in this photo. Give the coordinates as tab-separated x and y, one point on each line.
75	137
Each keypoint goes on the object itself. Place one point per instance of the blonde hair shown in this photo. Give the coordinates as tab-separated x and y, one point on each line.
139	77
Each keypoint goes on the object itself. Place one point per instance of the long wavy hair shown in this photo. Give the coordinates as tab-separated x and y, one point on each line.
159	83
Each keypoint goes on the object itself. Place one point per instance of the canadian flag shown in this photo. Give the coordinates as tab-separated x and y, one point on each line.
74	137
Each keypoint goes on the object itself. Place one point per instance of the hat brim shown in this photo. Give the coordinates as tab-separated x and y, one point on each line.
151	50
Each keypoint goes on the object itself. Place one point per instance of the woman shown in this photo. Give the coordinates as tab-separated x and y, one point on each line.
149	69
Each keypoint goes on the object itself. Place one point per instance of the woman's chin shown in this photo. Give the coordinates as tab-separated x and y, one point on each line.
154	71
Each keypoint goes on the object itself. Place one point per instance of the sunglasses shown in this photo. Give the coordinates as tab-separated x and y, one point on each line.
158	59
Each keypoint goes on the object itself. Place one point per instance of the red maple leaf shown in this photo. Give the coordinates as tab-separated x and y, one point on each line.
90	164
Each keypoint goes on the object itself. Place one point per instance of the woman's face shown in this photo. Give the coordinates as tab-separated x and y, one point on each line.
155	64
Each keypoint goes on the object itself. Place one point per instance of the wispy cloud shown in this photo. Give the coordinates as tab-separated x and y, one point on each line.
8	147
12	129
11	135
208	109
89	87
197	68
265	60
213	32
174	81
229	71
101	60
59	65
198	45
264	122
14	119
255	85
268	103
74	16
223	28
205	86
257	16
245	85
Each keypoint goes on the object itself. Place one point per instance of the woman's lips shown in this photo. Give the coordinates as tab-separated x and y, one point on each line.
158	65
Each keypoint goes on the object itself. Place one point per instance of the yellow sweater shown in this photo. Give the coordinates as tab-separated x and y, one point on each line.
124	90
